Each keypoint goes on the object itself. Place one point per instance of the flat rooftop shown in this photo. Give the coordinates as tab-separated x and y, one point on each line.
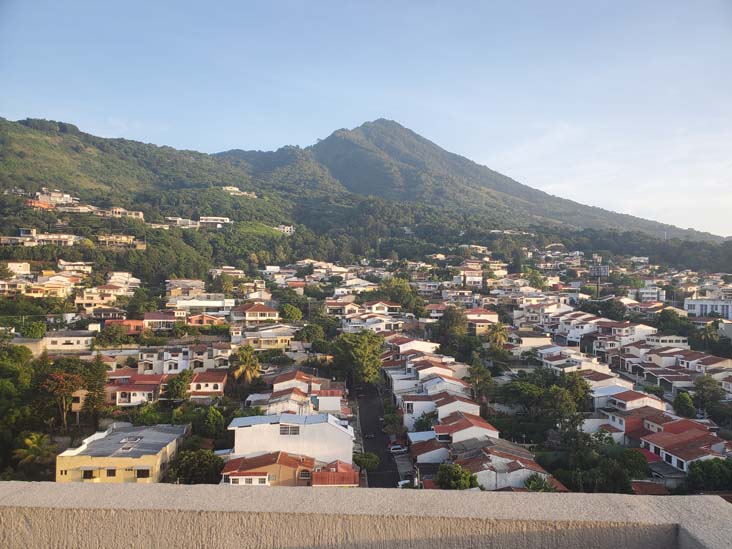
130	442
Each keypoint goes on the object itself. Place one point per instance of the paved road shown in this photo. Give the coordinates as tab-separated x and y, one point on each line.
370	410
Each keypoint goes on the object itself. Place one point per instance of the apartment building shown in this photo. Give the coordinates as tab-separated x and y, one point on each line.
122	453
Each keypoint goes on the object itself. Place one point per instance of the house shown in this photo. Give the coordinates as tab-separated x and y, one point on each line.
321	436
272	469
264	337
201	303
337	473
460	426
126	387
382	307
686	445
132	327
122	453
499	468
440	404
253	314
161	321
429	451
208	385
205	319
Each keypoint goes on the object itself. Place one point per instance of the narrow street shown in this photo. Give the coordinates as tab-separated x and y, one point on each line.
370	409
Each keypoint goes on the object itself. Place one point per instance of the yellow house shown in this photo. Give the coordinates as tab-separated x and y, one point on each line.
122	453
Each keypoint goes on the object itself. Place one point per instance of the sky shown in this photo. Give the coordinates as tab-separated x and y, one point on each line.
621	104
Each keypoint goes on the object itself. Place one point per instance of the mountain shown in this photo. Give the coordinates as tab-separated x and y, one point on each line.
378	159
385	159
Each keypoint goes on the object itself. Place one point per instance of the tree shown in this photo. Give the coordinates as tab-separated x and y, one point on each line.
290	313
368	461
214	426
634	463
178	387
5	272
310	333
713	474
481	381
360	353
245	366
497	336
538	483
37	449
61	386
452	323
95	380
525	394
111	336
707	391
560	406
684	405
196	467
451	476
34	330
424	423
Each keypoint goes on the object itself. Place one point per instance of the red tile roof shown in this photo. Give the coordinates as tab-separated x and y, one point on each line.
459	421
242	466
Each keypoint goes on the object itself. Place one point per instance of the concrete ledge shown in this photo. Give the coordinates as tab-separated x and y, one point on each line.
162	515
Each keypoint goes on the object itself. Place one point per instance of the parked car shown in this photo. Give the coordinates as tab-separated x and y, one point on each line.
397	449
369	436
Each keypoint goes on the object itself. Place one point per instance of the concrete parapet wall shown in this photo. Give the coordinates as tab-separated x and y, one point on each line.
159	515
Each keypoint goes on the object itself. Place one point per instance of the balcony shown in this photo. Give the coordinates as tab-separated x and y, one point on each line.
50	515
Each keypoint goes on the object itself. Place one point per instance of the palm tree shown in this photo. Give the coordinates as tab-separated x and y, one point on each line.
497	336
709	334
245	366
38	449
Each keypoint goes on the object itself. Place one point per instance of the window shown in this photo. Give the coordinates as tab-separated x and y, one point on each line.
272	478
234	481
111	472
262	480
198	386
410	407
304	474
76	399
216	386
143	473
680	464
248	480
289	430
63	472
88	475
668	458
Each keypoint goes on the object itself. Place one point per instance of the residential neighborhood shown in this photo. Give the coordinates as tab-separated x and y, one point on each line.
411	374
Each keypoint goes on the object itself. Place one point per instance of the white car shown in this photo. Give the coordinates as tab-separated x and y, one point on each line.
396	449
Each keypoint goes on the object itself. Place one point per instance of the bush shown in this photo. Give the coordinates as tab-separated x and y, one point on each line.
368	461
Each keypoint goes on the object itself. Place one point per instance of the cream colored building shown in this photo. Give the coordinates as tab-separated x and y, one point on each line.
122	453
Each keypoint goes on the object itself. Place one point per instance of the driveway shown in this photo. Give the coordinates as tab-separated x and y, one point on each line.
370	410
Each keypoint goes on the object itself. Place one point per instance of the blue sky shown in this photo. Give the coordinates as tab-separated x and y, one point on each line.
621	104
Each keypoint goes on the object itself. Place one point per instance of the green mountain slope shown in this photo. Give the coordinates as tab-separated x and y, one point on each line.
317	185
383	158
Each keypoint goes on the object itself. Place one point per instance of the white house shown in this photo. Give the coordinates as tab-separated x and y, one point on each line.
321	436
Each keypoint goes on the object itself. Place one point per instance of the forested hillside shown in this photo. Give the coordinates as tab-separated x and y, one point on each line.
375	191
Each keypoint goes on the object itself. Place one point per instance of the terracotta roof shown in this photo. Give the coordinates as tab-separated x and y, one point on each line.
630	396
242	466
210	376
291	375
648	488
424	447
459	421
254	308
